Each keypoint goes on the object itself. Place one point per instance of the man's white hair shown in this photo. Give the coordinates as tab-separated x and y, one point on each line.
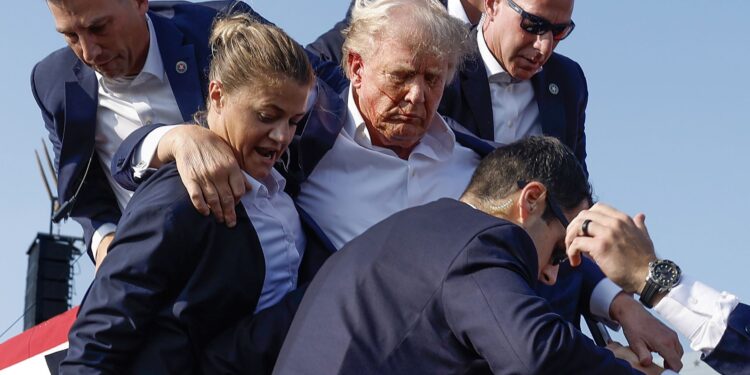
423	25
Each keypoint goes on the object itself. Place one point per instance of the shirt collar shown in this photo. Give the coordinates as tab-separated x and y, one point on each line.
457	10
437	143
266	187
495	71
154	65
152	68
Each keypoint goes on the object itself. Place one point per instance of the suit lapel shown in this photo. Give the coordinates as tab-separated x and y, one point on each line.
551	106
81	100
181	66
475	90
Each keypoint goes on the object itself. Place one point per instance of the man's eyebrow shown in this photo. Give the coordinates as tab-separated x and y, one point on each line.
399	69
94	22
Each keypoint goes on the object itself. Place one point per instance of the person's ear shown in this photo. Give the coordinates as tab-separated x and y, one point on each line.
355	67
531	200
142	6
548	274
490	6
216	95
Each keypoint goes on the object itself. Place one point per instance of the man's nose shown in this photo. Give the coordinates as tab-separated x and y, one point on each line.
416	93
90	49
545	44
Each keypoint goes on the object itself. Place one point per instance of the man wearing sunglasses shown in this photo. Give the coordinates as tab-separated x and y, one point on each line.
448	287
514	86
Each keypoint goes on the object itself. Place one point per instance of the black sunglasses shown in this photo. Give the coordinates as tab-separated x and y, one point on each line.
559	255
534	24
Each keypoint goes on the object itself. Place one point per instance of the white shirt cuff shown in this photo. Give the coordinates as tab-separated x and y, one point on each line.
601	299
146	150
698	312
99	235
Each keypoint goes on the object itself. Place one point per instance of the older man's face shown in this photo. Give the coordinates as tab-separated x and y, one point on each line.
520	53
110	36
397	93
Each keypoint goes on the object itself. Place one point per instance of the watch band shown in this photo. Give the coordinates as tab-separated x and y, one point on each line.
649	292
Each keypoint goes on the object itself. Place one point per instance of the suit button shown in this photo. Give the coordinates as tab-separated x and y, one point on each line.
747	329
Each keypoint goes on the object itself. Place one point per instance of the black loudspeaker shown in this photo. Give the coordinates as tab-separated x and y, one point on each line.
48	279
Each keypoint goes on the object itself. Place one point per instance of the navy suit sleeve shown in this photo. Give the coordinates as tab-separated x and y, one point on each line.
121	168
147	260
95	204
732	355
491	308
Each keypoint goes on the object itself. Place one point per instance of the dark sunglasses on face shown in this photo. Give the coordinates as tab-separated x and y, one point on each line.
558	253
534	24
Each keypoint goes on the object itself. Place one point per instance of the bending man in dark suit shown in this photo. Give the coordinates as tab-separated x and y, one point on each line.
448	287
716	323
124	66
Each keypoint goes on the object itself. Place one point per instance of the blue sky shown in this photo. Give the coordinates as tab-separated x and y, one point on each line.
666	124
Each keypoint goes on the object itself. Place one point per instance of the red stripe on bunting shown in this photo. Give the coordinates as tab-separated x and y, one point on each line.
37	339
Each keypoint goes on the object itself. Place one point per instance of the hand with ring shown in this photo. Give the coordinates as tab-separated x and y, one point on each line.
619	244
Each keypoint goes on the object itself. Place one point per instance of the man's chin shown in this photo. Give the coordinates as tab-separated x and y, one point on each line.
109	70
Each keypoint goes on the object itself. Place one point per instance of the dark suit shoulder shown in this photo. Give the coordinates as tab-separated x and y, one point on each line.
63	58
164	194
49	75
563	67
510	245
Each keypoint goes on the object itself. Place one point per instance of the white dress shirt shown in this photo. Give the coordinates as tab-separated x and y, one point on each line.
275	219
698	312
357	184
515	113
125	104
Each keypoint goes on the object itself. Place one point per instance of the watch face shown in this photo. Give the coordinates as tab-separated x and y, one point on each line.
666	274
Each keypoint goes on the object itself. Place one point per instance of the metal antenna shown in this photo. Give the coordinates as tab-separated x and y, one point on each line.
44	176
54	202
52	170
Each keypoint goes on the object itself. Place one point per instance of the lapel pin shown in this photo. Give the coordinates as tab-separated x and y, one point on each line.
553	89
181	67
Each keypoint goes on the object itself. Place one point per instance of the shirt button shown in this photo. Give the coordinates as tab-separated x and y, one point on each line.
692	301
510	124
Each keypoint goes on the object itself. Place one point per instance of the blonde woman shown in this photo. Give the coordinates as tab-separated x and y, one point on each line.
175	278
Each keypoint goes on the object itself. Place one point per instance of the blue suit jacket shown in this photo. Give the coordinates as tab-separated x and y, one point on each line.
467	100
66	91
732	355
173	281
460	300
